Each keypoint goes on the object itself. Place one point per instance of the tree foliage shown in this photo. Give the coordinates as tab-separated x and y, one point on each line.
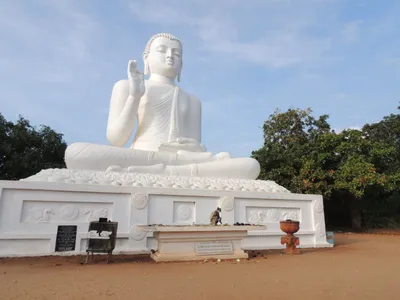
25	150
303	154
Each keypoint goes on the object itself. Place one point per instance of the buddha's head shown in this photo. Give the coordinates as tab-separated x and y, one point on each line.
163	56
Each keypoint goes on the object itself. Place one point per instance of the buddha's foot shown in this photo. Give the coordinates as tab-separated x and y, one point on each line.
221	155
201	156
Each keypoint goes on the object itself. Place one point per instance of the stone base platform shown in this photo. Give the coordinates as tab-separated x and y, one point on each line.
190	243
32	209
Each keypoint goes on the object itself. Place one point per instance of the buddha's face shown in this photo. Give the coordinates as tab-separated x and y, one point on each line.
165	57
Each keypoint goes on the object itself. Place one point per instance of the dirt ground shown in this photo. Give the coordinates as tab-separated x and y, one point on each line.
363	266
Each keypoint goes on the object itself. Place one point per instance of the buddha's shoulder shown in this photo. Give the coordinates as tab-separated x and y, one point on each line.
121	84
193	99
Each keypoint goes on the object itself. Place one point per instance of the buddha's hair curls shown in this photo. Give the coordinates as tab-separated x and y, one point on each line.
165	35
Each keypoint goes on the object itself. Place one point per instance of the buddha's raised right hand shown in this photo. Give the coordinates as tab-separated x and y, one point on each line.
136	81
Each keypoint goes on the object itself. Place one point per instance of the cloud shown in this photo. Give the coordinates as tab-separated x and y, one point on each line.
341	96
351	31
395	61
50	65
270	33
54	39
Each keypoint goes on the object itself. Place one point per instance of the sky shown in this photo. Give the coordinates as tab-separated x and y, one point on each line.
59	60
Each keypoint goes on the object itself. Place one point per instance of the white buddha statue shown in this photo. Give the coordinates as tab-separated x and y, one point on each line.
168	138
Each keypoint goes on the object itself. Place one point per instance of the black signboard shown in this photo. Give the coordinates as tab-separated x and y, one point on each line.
102	244
66	238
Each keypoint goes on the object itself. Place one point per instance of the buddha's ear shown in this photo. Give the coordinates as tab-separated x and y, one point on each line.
146	65
180	71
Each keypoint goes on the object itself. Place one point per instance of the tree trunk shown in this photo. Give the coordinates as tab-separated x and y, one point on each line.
355	214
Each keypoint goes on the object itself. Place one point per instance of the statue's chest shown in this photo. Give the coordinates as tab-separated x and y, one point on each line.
165	103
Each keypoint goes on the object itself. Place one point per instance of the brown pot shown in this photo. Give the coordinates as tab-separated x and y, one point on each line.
289	226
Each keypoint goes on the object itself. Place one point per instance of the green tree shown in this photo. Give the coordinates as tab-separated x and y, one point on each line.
301	153
384	211
287	138
25	150
387	133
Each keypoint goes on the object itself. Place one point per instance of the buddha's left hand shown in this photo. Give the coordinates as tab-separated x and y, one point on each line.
192	142
183	140
186	144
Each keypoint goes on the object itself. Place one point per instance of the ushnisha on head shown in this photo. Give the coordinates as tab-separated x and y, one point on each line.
163	56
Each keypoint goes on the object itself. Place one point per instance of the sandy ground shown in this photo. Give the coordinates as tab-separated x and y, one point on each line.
359	267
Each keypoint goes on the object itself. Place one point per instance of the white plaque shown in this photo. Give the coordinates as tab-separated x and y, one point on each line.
210	248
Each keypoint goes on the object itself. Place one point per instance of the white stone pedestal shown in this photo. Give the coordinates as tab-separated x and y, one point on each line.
31	210
189	243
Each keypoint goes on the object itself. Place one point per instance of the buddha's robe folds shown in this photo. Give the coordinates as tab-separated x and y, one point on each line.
166	116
